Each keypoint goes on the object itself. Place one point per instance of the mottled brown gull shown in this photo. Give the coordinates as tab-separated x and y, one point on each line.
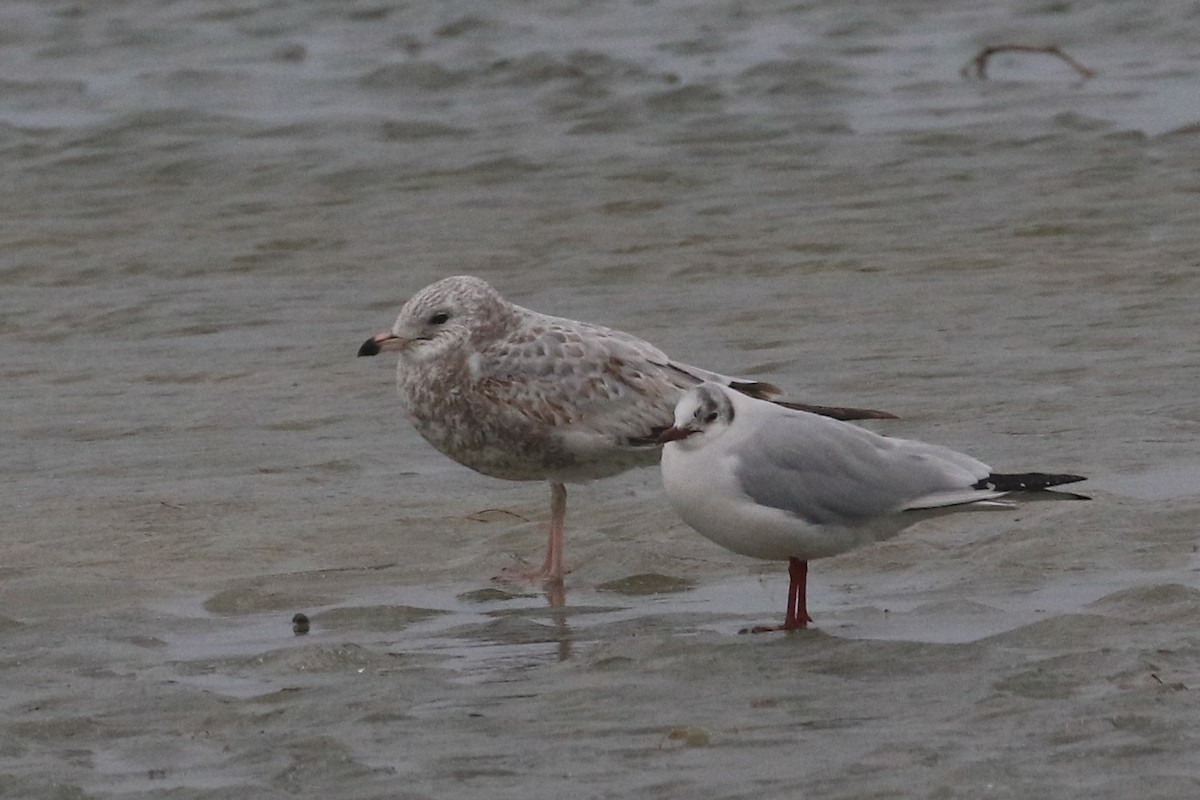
775	483
524	396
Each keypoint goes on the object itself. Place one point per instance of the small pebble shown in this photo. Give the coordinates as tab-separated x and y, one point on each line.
300	624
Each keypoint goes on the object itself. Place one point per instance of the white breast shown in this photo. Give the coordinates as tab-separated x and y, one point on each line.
701	487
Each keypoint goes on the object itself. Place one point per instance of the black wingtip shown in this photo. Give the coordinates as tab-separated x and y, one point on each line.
369	348
1027	482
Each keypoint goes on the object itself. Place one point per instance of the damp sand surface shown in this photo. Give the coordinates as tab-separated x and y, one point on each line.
208	208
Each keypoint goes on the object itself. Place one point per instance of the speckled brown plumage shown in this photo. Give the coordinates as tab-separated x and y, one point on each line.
520	395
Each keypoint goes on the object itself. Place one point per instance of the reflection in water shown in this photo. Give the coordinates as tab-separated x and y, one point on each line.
556	593
556	598
488	635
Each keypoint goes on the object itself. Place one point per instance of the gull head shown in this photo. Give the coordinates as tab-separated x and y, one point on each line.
703	413
442	318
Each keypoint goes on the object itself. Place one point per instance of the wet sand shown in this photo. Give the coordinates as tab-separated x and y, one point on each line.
209	209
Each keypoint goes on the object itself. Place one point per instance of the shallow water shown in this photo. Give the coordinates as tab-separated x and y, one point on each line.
209	207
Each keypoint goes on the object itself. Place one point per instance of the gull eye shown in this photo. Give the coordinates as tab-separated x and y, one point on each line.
712	417
439	318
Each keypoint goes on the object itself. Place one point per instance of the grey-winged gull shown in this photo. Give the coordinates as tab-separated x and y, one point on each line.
781	484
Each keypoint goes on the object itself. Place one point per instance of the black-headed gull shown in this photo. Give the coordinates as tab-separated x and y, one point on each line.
524	396
781	484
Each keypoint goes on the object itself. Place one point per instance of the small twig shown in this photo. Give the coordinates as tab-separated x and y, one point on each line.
979	62
479	516
326	570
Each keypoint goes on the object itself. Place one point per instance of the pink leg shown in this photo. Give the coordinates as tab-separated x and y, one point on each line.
552	567
551	572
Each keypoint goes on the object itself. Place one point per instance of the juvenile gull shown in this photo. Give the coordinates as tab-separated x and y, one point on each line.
781	484
524	396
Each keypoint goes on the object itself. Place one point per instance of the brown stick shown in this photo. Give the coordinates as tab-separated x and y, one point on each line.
979	62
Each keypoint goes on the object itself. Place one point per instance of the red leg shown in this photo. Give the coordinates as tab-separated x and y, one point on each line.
797	610
797	617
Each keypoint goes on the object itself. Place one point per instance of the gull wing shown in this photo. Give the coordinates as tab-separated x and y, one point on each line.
831	473
581	377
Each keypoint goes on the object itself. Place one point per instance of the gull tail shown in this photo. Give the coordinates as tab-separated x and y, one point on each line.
844	413
762	390
1030	482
